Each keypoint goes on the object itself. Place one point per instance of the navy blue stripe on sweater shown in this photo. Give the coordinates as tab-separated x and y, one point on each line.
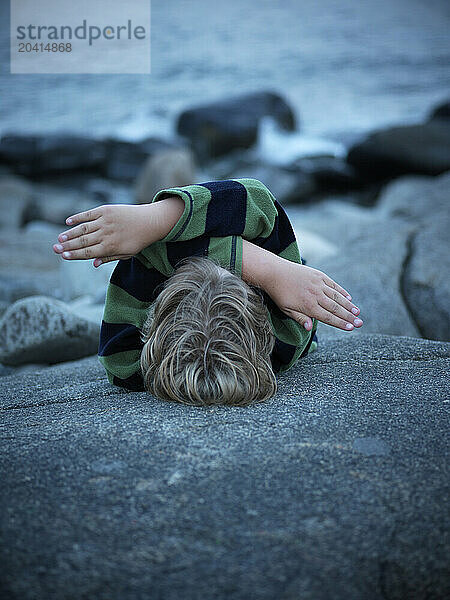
282	354
138	281
134	383
118	337
282	233
227	208
176	251
273	308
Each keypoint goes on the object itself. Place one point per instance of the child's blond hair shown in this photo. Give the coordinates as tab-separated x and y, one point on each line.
207	339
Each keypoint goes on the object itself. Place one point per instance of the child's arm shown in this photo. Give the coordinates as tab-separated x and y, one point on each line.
299	291
115	231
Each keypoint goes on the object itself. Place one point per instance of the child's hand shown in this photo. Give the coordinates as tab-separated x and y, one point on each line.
117	231
302	292
106	233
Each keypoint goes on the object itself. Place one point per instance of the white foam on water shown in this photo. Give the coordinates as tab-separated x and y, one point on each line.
281	147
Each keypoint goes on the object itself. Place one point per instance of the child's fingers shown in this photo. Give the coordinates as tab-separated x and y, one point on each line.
330	319
83	241
84	253
87	215
83	229
107	259
335	286
335	296
301	318
339	311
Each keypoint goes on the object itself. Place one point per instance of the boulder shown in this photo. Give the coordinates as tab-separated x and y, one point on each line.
124	160
330	173
334	488
415	198
28	265
33	155
422	148
16	195
441	111
54	204
40	329
425	282
79	278
168	168
222	126
369	266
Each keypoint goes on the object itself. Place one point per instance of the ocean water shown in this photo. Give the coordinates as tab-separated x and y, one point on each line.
344	65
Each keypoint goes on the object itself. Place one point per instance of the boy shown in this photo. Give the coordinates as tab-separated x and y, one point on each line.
240	306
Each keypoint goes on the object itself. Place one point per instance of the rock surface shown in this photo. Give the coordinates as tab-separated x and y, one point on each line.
370	268
28	265
222	126
168	168
335	488
15	197
39	329
425	280
37	154
420	148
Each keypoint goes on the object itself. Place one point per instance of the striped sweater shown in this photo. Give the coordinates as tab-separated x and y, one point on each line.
217	216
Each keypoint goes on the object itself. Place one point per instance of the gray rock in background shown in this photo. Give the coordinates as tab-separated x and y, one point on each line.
168	168
335	488
28	265
80	278
44	330
54	204
425	283
370	268
393	151
16	195
51	152
221	126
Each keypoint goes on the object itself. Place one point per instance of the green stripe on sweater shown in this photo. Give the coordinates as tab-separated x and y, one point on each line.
121	307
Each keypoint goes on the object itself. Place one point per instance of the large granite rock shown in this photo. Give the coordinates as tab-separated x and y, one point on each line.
370	268
124	159
420	148
80	278
168	168
36	154
222	126
39	329
53	204
16	195
393	258
28	265
441	111
425	281
335	488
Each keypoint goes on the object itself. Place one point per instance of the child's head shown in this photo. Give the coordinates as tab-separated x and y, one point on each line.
207	339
